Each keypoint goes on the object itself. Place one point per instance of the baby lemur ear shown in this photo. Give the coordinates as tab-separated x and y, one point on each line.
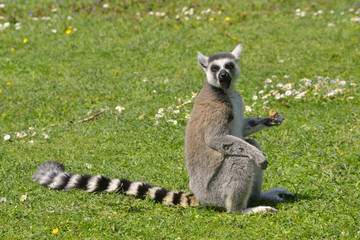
237	51
203	60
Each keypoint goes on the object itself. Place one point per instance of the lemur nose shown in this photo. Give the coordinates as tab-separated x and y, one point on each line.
224	74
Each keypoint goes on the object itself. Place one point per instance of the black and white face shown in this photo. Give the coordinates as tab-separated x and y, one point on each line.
221	68
222	72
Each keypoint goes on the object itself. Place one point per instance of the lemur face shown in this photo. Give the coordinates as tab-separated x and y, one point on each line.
222	72
221	68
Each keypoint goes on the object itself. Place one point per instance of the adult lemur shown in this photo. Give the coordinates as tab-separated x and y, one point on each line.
225	169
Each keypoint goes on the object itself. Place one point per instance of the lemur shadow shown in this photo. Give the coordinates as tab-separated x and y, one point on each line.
287	199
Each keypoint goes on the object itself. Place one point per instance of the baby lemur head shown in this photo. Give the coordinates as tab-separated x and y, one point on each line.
221	68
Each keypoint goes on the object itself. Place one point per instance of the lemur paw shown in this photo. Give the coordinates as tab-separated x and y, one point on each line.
276	195
259	209
274	119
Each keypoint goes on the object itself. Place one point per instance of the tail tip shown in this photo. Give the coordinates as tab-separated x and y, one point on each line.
47	167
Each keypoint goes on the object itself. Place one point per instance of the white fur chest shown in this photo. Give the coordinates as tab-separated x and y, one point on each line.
236	125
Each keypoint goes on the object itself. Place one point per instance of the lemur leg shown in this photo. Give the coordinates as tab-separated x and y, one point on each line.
230	187
253	125
257	176
273	195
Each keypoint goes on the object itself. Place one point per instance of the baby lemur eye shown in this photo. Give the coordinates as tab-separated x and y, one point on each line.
214	68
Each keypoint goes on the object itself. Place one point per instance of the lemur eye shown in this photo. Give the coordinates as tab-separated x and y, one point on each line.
230	66
214	68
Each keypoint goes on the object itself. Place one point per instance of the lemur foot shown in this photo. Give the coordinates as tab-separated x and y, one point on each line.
276	195
259	209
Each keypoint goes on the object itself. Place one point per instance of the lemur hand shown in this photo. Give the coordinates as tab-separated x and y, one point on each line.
274	119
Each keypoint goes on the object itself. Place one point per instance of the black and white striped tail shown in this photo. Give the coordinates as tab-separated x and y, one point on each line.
53	175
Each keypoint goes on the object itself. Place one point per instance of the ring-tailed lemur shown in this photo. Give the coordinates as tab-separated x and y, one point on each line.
224	169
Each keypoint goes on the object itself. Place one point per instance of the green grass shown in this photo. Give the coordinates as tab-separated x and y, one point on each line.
101	64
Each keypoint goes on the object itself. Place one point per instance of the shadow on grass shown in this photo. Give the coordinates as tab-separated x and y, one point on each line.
287	199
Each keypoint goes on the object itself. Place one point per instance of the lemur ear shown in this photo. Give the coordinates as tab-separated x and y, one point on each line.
203	60
237	51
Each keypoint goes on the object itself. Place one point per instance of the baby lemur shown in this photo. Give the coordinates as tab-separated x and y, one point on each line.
225	169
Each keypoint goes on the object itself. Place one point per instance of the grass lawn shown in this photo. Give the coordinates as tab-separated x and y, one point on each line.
63	61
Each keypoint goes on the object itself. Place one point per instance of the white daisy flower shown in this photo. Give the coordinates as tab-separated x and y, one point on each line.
23	198
7	137
120	109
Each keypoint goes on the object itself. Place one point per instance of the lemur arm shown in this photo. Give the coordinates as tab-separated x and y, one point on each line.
231	145
253	125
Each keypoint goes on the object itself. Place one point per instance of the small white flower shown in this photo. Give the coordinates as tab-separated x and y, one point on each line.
159	115
268	80
193	95
54	31
279	85
106	5
261	92
46	136
300	95
7	137
331	25
17	26
286	76
343	83
187	116
248	109
254	97
172	121
278	96
350	97
23	198
161	110
31	141
281	61
88	165
53	10
3	200
2	5
177	111
265	96
288	93
153	91
156	123
31	128
120	109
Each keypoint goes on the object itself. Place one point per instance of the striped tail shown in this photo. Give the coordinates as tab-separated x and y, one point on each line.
53	175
